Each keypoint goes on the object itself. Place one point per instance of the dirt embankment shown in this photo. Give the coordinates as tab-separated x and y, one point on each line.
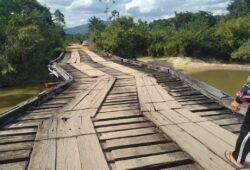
188	64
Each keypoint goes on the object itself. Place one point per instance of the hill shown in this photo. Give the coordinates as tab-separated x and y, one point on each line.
81	29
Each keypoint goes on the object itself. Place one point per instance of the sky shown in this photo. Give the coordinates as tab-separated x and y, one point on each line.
77	12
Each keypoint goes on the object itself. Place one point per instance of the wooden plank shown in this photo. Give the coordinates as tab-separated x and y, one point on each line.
15	139
140	151
166	96
90	71
67	157
191	116
208	160
185	167
123	127
203	107
157	118
73	103
91	155
134	141
127	133
219	132
94	57
22	125
174	116
16	146
117	109
119	121
17	131
120	114
154	94
210	113
233	128
47	129
95	99
43	156
151	161
167	105
228	121
14	166
214	143
33	117
74	124
14	155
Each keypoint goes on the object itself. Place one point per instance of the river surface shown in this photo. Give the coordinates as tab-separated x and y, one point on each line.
11	96
229	81
225	79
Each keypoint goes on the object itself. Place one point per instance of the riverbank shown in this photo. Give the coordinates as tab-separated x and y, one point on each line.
191	65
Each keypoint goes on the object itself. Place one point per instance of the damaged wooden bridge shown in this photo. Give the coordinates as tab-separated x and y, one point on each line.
118	114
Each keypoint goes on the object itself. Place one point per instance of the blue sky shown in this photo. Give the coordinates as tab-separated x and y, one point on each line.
77	12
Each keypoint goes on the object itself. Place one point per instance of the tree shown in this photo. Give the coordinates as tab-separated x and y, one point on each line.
29	37
59	17
239	8
243	53
95	24
233	33
124	37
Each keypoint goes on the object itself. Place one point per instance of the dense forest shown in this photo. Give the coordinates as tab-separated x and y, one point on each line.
200	34
30	36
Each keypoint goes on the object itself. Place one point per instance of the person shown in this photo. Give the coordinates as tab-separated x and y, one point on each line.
237	157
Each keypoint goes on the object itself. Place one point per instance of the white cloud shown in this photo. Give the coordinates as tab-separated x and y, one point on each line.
77	12
144	6
80	4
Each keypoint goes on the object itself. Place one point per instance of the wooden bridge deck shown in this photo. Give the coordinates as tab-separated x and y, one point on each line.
119	116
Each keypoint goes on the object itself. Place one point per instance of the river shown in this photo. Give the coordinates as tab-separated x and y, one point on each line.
11	96
229	81
228	78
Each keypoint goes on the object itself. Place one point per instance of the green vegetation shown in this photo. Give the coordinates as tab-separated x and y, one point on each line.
30	36
198	34
74	38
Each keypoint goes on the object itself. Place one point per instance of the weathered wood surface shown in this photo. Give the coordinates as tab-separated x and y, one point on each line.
118	117
180	123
